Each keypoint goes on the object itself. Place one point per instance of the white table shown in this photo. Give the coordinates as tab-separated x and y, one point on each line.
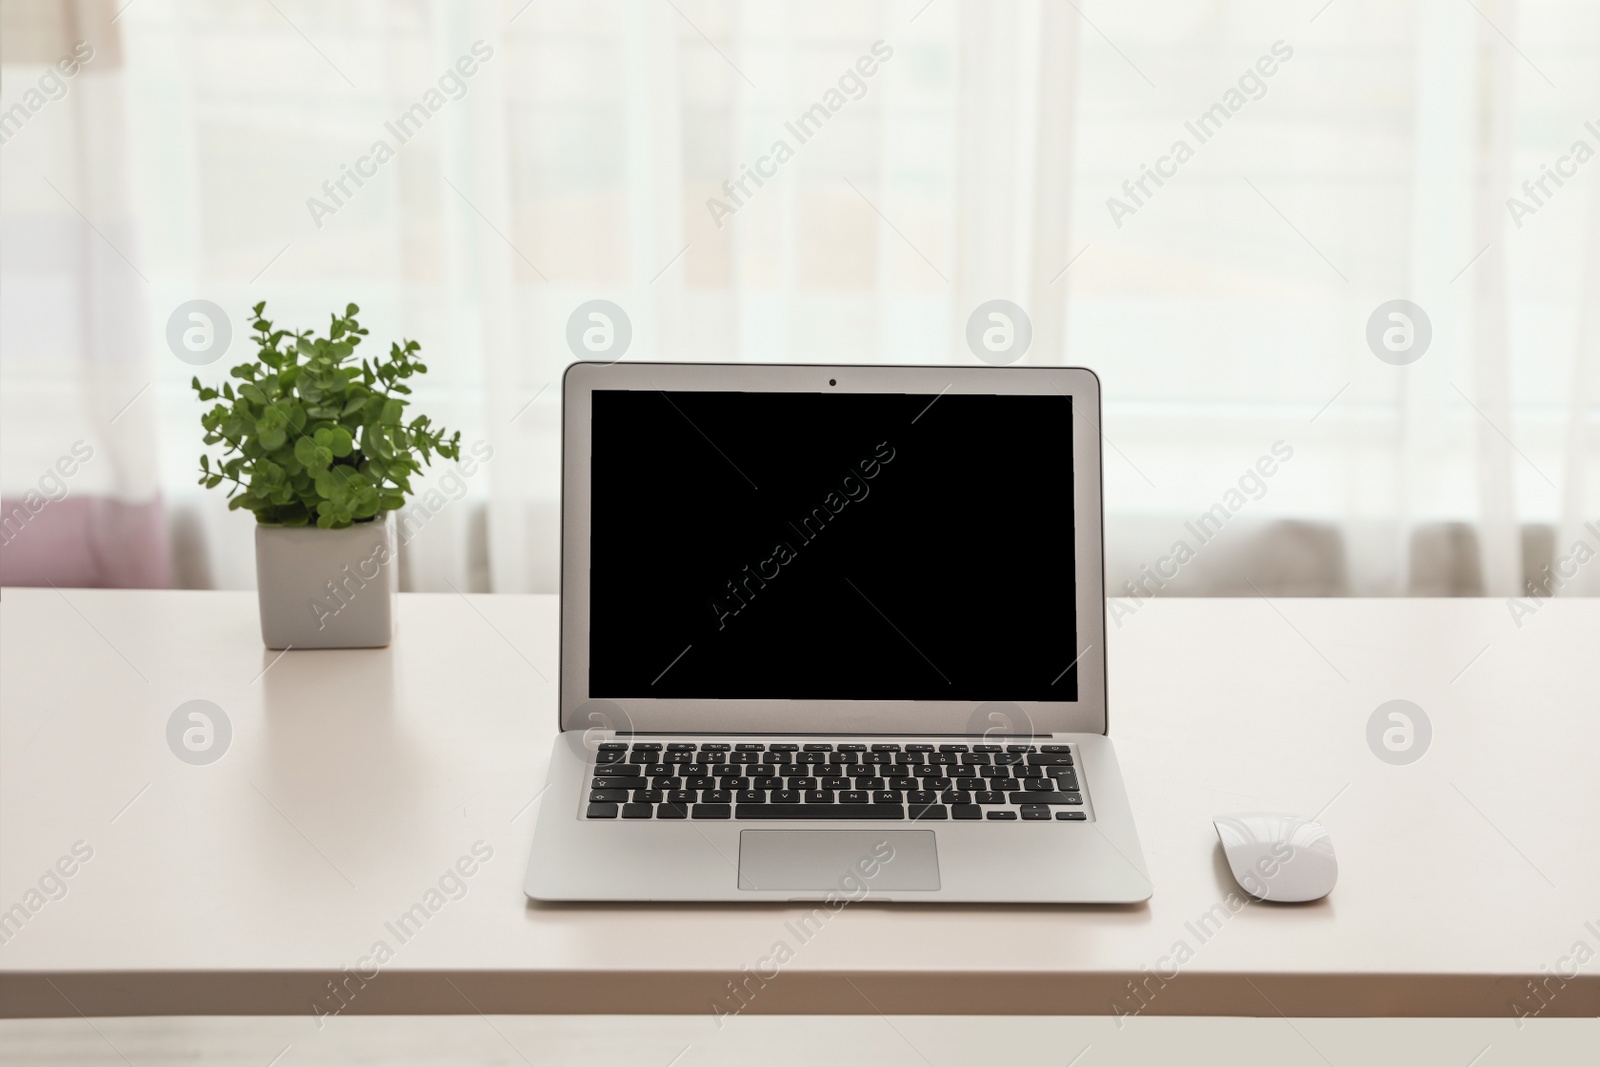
354	780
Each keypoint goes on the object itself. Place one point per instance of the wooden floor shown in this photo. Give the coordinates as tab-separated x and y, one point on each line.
781	1041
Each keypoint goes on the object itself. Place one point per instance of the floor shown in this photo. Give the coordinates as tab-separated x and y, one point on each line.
779	1041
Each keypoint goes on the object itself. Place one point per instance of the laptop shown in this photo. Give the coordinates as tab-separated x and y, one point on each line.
833	633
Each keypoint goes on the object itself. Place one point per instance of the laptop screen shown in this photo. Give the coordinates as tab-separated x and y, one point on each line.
831	546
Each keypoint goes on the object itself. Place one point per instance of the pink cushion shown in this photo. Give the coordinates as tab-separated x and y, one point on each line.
84	542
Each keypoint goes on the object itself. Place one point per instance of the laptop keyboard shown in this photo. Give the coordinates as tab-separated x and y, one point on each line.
778	781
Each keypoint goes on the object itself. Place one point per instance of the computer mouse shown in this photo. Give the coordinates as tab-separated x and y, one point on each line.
1278	857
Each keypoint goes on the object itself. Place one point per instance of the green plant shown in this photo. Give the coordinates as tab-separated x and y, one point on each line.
311	435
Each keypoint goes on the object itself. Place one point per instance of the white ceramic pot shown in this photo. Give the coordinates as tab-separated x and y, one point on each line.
327	588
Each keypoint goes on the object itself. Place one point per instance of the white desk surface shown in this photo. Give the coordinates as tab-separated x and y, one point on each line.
354	779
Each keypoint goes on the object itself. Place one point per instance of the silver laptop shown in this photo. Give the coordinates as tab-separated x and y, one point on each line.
833	633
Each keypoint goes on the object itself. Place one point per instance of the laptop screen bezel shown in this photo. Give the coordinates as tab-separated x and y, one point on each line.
1087	714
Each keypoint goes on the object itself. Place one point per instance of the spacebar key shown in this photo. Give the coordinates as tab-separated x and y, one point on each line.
819	811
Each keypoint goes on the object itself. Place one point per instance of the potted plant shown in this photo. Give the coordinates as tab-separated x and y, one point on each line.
315	443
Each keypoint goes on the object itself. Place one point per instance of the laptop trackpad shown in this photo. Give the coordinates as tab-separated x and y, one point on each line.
847	862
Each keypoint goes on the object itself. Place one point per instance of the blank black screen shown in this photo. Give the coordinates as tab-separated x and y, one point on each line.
841	546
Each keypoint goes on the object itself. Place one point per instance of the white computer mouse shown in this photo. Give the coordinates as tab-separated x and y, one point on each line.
1278	857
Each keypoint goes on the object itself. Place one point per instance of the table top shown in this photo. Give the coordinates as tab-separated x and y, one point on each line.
357	785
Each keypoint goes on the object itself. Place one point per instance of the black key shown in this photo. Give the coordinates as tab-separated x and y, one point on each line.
1029	772
785	796
955	796
713	811
716	796
931	812
608	796
1055	748
766	783
1001	815
818	748
714	747
937	783
694	770
896	771
975	759
970	783
1021	748
666	783
822	811
602	811
1039	785
660	770
610	757
680	796
646	796
877	759
853	796
672	811
1065	783
901	785
1036	812
734	784
994	772
943	759
644	757
680	746
1007	759
775	757
836	783
1046	798
713	760
989	797
647	746
746	758
986	748
752	796
783	748
876	783
919	748
1072	816
1053	759
702	782
621	770
922	796
614	746
852	748
952	748
811	757
844	757
637	811
907	759
801	784
885	797
966	811
617	783
747	746
819	796
886	748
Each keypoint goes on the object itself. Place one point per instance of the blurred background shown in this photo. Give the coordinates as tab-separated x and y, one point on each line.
1342	155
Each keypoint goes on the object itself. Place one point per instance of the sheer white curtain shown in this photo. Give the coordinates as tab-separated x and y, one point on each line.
79	466
1229	312
585	158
